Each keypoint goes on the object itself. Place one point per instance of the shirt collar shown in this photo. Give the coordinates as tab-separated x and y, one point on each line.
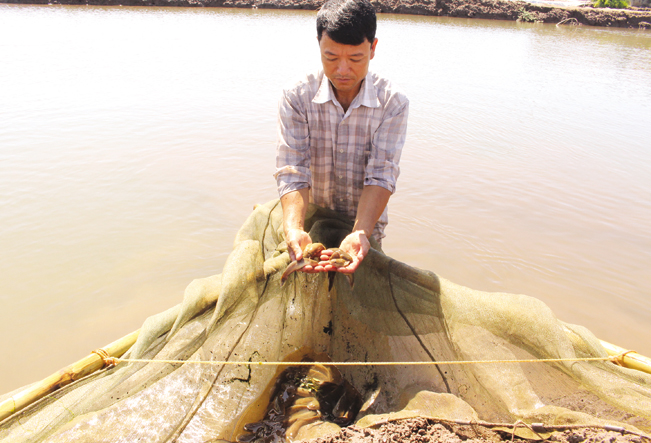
367	95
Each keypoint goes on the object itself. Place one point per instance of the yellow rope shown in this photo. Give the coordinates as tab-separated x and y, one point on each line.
619	358
106	357
369	363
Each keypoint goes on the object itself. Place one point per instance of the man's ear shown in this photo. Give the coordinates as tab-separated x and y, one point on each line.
373	45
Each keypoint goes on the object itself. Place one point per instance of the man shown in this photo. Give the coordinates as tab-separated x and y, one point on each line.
341	132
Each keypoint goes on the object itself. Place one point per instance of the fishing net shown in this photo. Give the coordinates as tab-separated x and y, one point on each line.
392	313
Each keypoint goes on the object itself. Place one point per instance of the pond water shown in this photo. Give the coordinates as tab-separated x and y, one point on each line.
134	142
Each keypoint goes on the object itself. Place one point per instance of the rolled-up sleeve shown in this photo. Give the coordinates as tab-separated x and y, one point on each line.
293	150
383	167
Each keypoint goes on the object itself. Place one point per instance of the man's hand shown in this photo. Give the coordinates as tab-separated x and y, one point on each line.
356	244
297	240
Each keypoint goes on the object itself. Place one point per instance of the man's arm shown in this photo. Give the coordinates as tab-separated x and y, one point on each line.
294	209
293	172
371	205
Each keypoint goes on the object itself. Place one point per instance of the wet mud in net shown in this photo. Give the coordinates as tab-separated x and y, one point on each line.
393	313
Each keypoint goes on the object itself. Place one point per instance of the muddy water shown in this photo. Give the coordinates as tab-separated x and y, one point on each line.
134	143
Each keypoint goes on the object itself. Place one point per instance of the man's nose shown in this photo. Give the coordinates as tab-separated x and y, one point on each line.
343	67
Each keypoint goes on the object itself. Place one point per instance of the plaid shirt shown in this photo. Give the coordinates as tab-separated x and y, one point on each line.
337	153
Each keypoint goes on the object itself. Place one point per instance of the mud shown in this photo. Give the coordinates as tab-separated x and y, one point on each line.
421	430
638	18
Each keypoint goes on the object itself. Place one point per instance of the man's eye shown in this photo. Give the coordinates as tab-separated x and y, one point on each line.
355	60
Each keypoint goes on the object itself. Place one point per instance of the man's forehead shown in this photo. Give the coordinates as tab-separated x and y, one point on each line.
353	52
329	46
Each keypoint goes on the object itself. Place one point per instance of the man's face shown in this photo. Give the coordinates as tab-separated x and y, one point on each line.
345	65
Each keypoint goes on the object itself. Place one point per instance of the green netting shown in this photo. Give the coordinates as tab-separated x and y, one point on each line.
393	313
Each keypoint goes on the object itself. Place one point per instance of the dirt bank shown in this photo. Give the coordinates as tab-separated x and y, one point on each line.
486	9
421	430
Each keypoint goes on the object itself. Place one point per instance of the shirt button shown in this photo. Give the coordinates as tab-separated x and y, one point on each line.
340	177
341	151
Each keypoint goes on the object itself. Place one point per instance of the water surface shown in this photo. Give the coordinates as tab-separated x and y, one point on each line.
135	141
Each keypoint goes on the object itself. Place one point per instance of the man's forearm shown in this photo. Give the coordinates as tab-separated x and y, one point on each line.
294	209
371	205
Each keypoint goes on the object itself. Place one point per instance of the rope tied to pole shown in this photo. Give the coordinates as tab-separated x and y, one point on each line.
109	361
618	359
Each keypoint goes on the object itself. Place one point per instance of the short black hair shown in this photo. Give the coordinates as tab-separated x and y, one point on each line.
347	22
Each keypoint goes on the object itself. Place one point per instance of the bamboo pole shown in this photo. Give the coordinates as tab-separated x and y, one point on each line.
631	359
67	375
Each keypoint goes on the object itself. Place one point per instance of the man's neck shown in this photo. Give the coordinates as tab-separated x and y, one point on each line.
345	98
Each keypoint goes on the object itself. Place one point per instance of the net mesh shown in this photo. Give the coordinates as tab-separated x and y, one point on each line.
393	312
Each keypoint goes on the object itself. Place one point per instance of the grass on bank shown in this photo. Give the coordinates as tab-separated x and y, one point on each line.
615	4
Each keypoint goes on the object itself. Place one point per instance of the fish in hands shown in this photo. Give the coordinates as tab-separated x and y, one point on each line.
339	258
312	256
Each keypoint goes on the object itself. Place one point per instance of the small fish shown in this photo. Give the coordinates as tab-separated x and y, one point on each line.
311	254
339	259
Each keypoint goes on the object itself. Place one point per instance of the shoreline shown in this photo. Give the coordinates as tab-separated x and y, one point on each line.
521	11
